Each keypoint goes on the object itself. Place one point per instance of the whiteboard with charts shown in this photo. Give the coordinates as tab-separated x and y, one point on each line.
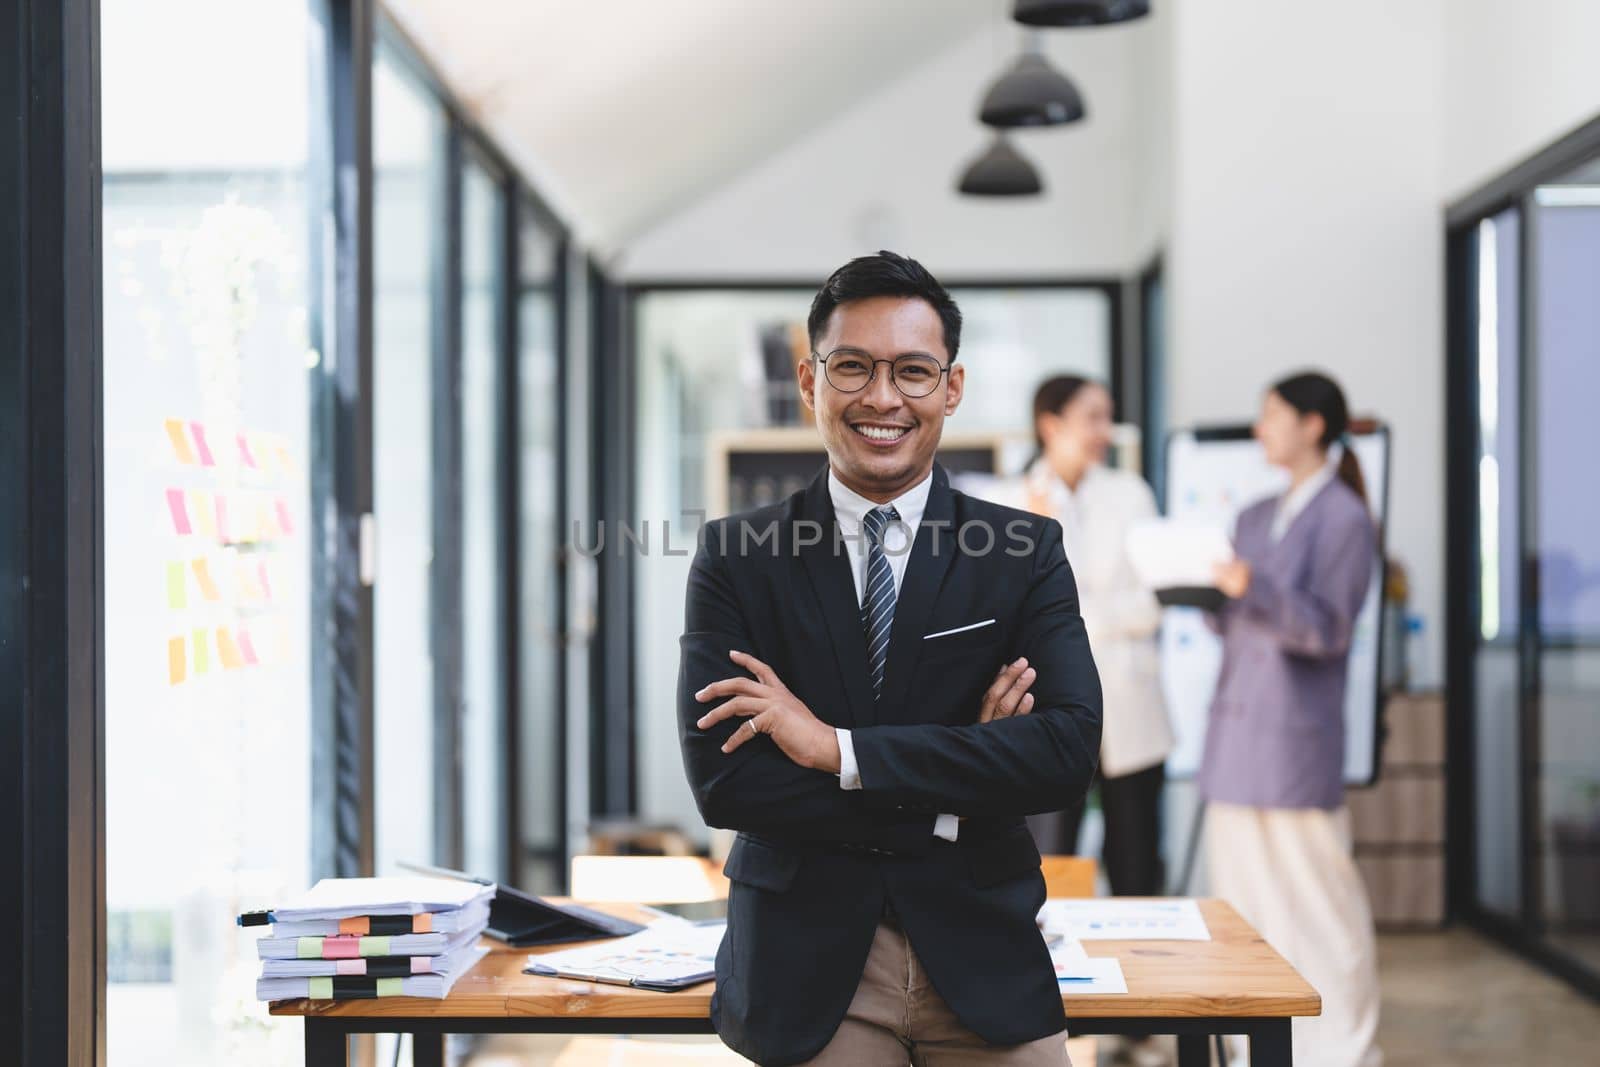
1213	474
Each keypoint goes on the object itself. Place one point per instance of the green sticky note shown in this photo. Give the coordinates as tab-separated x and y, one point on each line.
390	987
322	989
308	948
201	641
375	946
177	594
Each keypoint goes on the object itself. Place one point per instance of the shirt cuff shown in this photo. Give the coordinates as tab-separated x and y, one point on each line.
849	773
947	827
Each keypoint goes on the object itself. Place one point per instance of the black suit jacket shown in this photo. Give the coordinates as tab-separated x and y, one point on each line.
813	864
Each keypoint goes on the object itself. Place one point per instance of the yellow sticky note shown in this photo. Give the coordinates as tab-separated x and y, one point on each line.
180	441
177	595
205	523
200	641
175	662
227	651
202	573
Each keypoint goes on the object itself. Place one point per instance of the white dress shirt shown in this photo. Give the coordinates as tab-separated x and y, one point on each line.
849	510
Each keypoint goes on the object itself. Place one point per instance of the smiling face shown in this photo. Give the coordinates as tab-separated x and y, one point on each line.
880	442
1079	435
1288	438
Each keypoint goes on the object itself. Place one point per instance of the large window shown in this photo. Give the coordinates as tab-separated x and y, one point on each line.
716	366
483	567
1526	356
207	441
408	143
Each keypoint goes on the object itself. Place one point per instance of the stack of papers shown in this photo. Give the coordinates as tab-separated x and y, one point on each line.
1078	972
372	937
668	955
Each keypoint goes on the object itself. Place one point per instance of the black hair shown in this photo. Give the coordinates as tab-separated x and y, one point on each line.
885	274
1312	393
1051	398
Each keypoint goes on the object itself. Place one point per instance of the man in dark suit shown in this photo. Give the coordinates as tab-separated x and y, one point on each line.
880	677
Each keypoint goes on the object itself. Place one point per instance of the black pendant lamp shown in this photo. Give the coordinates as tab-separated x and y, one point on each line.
1001	171
1031	93
1078	12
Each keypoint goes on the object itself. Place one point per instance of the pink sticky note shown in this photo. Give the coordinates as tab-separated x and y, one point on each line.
266	585
222	520
246	649
421	964
351	966
341	948
283	517
180	513
244	452
200	446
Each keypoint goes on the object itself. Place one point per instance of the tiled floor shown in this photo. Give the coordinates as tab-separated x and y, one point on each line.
1450	999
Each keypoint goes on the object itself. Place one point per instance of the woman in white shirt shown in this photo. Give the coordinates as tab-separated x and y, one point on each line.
1096	505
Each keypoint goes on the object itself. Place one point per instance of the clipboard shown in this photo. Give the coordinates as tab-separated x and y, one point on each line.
524	920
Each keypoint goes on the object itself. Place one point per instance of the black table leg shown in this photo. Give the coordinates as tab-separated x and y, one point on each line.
1194	1050
427	1050
1270	1044
327	1045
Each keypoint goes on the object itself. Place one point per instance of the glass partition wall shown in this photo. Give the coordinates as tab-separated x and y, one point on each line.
1525	653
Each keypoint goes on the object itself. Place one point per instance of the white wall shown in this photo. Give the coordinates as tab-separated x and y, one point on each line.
1517	77
1306	229
883	174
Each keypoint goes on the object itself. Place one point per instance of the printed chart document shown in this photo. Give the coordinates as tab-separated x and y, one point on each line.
1078	972
668	955
1174	554
1103	919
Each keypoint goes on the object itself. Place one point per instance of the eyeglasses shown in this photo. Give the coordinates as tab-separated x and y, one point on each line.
850	372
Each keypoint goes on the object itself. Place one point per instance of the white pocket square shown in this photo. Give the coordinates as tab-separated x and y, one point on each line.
959	629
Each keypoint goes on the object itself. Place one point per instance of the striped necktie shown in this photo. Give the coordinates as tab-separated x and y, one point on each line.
877	607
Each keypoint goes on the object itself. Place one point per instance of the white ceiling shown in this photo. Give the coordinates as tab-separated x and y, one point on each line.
622	111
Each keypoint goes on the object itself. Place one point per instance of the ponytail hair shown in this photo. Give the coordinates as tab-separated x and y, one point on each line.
1317	394
1050	398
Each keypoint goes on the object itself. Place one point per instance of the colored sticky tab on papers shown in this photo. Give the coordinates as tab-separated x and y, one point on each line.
227	651
175	660
320	988
421	964
200	509
358	967
180	441
202	573
177	593
356	926
246	649
390	987
202	449
341	948
308	948
200	642
375	946
179	511
422	922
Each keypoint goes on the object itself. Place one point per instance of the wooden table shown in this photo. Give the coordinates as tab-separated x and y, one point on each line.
1233	984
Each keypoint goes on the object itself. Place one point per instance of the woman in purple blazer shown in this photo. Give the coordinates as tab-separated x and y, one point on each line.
1277	829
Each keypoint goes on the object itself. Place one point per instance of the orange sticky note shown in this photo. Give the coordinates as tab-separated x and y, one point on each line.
175	660
180	441
202	573
227	651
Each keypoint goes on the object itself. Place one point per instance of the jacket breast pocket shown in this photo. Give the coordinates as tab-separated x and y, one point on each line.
1010	855
755	863
961	642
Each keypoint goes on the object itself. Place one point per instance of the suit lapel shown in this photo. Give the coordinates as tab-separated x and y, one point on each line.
828	568
930	560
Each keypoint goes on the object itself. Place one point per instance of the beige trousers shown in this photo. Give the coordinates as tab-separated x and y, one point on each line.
897	1018
1289	872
